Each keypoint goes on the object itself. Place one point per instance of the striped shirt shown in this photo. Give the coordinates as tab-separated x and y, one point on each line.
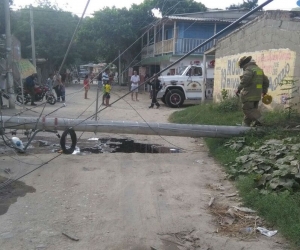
105	77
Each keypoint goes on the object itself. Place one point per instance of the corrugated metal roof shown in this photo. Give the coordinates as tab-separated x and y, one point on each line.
229	20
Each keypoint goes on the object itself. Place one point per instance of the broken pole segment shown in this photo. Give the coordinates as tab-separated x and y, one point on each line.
124	127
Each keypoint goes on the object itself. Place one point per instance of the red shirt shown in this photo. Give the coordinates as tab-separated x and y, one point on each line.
86	83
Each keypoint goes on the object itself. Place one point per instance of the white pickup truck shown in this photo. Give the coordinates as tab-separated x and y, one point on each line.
188	85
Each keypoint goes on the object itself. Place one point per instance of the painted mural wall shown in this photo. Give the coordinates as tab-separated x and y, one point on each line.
278	64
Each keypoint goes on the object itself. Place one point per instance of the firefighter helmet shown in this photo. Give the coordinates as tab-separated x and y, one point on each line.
267	99
243	60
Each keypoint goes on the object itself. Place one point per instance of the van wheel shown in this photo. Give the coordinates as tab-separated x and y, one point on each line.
174	98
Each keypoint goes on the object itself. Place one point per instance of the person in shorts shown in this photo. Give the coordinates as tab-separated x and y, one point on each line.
106	93
105	79
86	85
135	81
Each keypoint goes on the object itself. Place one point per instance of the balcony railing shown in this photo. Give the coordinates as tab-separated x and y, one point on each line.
164	47
182	46
185	45
148	51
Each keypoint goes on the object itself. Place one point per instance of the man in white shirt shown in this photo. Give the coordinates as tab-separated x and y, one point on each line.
135	81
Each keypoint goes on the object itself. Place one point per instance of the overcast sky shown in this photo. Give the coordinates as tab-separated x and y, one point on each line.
77	6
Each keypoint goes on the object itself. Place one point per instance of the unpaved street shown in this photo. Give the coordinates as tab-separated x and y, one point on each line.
119	201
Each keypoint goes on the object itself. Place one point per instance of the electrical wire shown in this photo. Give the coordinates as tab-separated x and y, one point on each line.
154	23
9	182
154	129
123	71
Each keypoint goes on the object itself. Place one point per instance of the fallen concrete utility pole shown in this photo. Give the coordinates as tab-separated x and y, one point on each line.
123	127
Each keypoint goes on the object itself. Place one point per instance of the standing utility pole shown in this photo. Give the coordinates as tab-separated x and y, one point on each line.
119	73
32	38
9	79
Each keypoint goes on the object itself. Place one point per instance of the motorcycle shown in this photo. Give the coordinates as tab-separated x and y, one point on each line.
39	93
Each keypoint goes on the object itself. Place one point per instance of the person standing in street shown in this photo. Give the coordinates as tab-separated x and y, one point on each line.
105	79
99	80
253	86
86	85
106	94
57	85
30	84
135	81
156	86
49	82
63	92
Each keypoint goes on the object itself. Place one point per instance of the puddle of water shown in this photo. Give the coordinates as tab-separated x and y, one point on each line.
10	193
113	145
98	146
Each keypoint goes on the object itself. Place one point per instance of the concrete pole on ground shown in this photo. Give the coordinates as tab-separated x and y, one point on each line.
124	127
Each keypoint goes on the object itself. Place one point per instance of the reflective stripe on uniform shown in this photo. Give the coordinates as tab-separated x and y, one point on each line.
259	72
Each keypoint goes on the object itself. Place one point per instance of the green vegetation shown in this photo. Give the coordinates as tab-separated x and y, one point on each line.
264	163
100	37
246	5
207	114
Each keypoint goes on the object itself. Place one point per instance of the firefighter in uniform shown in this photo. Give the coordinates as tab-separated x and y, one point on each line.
253	86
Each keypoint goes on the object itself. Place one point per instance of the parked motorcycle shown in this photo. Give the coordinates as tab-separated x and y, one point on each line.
39	91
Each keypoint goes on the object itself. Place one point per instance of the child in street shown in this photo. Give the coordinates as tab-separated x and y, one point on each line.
107	89
105	79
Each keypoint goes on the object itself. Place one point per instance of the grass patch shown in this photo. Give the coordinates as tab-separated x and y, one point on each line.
210	114
223	154
280	209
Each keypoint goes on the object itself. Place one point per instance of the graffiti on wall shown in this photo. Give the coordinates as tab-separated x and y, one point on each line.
277	65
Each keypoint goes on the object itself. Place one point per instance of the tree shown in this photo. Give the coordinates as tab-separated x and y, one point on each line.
111	30
53	31
233	7
170	7
247	5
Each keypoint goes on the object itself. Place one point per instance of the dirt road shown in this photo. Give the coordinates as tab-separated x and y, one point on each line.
119	201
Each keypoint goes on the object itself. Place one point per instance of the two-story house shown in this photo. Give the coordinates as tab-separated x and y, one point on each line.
173	36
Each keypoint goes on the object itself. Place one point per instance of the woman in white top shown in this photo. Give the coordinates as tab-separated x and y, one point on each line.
135	81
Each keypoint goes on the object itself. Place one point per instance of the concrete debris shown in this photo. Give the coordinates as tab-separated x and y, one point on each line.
244	209
231	195
230	211
212	199
70	237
